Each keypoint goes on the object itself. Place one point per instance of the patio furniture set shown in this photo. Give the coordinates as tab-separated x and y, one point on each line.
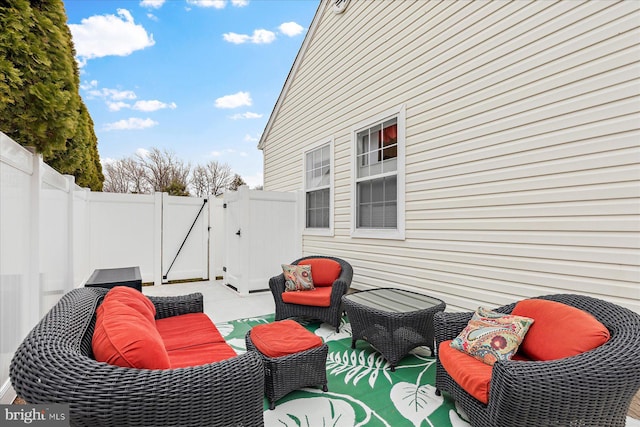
565	373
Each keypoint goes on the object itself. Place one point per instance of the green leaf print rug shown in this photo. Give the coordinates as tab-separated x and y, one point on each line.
362	389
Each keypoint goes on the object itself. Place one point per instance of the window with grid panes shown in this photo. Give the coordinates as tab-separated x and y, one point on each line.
377	176
318	187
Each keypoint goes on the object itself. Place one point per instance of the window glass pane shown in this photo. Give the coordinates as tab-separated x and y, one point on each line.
389	132
363	168
390	188
390	215
317	214
390	165
315	181
363	142
326	177
374	134
364	216
308	179
364	192
377	190
375	168
317	159
326	155
325	218
377	215
309	161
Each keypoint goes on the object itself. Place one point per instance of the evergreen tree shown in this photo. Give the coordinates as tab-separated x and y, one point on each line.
40	104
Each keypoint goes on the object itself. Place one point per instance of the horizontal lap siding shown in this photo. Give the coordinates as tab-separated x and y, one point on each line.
522	149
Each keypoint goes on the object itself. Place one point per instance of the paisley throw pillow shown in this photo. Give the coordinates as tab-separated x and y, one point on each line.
490	336
297	278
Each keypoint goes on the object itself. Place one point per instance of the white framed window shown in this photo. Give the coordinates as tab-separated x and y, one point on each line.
378	176
318	189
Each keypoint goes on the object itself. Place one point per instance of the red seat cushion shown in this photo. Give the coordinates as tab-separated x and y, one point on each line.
200	354
559	330
470	373
323	271
125	337
318	297
283	337
187	330
134	299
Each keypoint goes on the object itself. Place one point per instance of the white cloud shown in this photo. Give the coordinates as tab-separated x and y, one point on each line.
291	29
236	38
117	106
89	85
239	3
234	101
131	124
92	91
105	35
153	4
115	98
153	105
249	138
216	153
152	17
118	95
247	115
217	4
259	37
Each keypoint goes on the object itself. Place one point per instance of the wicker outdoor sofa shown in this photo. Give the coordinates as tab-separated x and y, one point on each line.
54	364
594	388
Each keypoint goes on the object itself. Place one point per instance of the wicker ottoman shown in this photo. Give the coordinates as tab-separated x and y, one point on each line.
293	357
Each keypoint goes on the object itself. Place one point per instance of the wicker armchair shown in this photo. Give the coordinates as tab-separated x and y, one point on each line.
331	314
54	364
594	388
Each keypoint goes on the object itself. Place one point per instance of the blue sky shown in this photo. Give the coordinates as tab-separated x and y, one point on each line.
197	77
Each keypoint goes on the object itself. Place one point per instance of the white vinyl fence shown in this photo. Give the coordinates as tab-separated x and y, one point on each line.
54	234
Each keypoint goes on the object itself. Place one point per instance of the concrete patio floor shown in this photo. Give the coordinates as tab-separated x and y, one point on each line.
221	303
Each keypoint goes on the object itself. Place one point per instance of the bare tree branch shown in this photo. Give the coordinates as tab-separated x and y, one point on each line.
212	178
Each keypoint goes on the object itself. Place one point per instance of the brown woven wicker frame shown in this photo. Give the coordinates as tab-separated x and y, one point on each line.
392	334
288	373
54	364
332	314
594	388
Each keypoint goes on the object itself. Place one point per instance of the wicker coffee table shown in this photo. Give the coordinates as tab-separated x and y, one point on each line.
394	321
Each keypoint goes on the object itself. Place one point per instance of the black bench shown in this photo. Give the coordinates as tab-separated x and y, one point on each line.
110	277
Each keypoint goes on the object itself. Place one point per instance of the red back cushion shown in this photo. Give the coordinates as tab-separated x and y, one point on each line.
282	338
559	330
125	337
323	271
134	299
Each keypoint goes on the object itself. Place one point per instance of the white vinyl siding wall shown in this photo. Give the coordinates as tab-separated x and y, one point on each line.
522	143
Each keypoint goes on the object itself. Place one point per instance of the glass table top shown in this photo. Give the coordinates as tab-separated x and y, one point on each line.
393	300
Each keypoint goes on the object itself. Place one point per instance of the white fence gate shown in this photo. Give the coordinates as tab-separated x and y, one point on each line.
261	232
166	236
185	238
